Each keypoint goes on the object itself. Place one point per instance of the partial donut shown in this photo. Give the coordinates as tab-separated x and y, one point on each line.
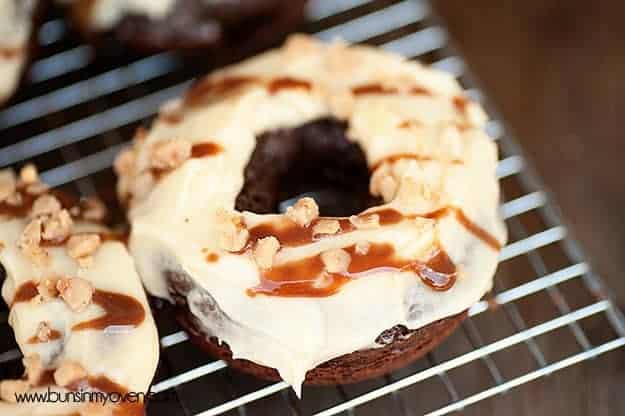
77	308
223	27
312	291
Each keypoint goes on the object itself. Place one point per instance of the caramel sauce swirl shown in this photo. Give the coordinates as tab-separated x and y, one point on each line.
119	309
54	335
307	278
26	292
205	149
412	156
292	235
284	83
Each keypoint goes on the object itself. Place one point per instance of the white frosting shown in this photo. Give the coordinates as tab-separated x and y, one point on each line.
126	355
15	27
174	222
107	13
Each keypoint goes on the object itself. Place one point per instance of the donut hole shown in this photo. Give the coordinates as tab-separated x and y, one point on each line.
315	159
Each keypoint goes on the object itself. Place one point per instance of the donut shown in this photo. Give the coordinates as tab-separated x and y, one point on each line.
77	308
189	25
17	18
314	293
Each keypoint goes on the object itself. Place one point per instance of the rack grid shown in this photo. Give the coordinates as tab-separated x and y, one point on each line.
76	112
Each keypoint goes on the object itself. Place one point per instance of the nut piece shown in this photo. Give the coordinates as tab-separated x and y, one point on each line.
76	292
362	248
82	246
69	372
47	289
336	260
383	183
29	174
265	251
124	162
233	234
303	212
34	368
45	205
7	183
44	331
9	389
326	227
169	154
93	209
57	227
30	240
365	222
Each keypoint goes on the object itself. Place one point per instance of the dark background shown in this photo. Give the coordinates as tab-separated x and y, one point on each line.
556	70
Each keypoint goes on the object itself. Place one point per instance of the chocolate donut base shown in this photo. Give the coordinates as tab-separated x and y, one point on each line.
405	347
236	41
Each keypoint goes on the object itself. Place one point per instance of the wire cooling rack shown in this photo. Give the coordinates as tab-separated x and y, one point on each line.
75	113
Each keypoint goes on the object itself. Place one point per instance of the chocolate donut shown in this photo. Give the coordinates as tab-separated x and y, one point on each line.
323	299
77	307
17	19
223	27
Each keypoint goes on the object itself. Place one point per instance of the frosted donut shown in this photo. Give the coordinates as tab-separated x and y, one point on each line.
79	313
298	295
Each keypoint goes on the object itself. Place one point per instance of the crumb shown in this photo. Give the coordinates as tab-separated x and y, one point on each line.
44	331
47	289
362	247
76	292
265	251
83	246
233	234
57	227
303	212
29	174
169	154
45	205
326	227
365	222
336	260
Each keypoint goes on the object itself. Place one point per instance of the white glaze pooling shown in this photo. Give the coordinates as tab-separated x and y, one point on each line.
128	356
16	19
174	222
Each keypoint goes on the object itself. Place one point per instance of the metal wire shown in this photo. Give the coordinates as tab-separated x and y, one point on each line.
44	126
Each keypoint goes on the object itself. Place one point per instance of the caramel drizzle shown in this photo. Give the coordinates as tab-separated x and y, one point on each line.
292	235
72	204
11	53
25	292
54	335
307	278
208	88
413	156
119	309
283	83
205	149
379	89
